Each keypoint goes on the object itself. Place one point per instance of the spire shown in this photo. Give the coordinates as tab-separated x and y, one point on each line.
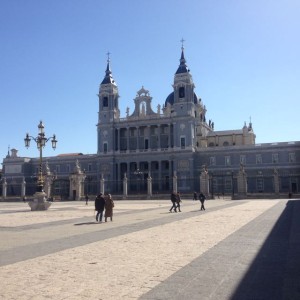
8	154
250	125
182	67
108	75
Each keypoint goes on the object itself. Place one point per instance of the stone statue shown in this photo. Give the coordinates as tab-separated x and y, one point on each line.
158	109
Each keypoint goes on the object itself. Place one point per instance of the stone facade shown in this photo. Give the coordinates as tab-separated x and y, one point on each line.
144	151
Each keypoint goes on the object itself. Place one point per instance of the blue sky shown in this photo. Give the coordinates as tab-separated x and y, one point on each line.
244	57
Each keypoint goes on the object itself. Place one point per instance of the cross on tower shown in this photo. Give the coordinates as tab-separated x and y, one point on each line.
182	41
108	54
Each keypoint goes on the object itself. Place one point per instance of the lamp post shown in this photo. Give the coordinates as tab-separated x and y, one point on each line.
41	141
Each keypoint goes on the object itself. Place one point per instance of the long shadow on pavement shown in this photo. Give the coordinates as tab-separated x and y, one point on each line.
275	272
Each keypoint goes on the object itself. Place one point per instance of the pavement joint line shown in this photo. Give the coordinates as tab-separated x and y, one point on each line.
84	219
34	250
247	251
218	284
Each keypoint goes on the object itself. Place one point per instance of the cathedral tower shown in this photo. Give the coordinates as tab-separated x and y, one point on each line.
108	111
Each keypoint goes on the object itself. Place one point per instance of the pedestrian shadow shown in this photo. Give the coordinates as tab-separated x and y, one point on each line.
85	223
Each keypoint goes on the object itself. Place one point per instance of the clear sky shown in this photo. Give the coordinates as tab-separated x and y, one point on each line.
244	57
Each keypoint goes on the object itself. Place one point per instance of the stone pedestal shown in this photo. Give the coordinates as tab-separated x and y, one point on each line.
39	202
149	187
204	182
242	183
125	187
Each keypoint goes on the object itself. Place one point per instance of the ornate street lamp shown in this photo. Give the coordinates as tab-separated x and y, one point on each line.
41	141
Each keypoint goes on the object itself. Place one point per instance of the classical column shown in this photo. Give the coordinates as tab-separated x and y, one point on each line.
276	182
137	138
169	136
175	182
127	135
149	136
119	138
204	182
159	132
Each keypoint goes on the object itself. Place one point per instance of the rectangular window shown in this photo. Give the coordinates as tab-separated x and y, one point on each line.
228	184
68	168
258	159
260	185
227	161
154	130
105	147
243	159
274	158
57	168
132	132
292	157
89	167
182	142
212	161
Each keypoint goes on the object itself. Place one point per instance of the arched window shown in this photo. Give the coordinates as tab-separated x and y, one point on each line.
181	92
225	144
211	144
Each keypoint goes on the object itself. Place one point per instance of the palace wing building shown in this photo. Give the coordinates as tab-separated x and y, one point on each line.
151	152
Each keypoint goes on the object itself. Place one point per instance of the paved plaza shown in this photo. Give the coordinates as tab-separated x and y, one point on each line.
246	249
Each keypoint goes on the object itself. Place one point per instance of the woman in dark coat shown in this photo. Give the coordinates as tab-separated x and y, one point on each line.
99	207
109	205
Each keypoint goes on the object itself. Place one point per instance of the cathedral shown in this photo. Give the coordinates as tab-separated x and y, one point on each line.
152	151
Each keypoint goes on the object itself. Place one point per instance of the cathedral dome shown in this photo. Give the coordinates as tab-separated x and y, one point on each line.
170	99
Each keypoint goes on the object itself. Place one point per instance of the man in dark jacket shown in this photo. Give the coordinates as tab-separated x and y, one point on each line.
202	199
173	199
99	207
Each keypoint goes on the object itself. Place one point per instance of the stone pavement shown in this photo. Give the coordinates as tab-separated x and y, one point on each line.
247	249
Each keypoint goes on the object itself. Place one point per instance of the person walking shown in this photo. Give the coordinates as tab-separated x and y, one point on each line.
109	205
86	199
178	200
99	207
202	199
173	199
195	196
